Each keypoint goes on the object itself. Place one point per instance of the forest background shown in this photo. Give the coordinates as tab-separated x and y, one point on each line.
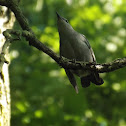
41	94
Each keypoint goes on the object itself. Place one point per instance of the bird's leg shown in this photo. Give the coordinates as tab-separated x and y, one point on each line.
92	63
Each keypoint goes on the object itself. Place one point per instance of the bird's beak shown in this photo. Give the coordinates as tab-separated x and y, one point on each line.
58	16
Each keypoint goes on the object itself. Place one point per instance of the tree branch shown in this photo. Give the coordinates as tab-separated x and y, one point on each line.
3	2
2	55
65	63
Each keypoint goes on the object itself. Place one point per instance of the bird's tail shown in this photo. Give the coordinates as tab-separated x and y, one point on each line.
94	78
72	79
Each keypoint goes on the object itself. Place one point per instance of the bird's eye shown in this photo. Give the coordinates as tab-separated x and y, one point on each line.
66	20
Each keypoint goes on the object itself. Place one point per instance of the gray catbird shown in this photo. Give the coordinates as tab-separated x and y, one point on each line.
75	46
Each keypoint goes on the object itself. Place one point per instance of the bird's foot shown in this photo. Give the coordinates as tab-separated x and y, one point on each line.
92	63
73	60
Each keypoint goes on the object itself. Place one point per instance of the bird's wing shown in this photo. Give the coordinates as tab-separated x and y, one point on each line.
91	50
86	41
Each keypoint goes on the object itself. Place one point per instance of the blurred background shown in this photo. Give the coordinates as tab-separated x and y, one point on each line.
41	94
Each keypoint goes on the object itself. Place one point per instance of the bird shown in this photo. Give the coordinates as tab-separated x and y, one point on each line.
75	46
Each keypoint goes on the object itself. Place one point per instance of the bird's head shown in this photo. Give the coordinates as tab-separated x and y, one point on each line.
63	25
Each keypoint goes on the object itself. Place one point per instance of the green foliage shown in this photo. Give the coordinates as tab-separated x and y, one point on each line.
40	91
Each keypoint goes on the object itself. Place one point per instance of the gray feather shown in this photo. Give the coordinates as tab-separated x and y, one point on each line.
74	45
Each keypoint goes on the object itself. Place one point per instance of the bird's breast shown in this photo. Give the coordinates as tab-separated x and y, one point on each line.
74	47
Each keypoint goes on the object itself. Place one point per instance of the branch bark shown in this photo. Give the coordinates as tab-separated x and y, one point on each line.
63	62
